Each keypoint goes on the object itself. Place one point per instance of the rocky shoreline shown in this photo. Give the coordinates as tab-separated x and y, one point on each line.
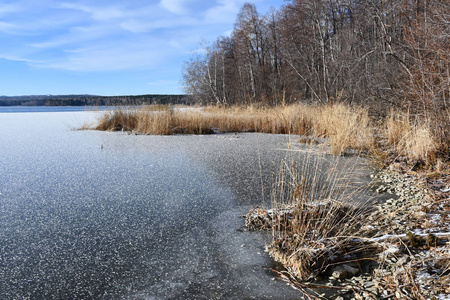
411	231
417	267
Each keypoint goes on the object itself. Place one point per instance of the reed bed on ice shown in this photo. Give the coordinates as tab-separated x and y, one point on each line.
344	127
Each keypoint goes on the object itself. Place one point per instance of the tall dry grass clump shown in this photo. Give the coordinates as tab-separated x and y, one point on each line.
294	119
346	127
151	122
398	125
315	217
117	120
420	143
288	119
298	118
412	138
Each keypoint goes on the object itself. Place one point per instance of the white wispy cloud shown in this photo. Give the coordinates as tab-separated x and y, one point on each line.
146	25
85	36
18	58
90	61
174	6
78	35
110	56
133	46
9	8
224	11
100	13
8	28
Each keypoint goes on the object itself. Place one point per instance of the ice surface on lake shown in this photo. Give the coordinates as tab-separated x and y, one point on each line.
86	214
101	215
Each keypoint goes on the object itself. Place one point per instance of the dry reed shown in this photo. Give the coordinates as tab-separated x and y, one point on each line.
397	126
118	119
411	138
345	127
315	217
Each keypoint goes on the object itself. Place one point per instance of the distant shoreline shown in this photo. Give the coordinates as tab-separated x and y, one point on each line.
93	100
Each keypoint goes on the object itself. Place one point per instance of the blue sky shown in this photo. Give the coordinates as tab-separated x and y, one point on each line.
107	47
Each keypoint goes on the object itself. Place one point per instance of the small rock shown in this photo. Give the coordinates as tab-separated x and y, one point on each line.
339	272
351	270
369	284
403	260
344	271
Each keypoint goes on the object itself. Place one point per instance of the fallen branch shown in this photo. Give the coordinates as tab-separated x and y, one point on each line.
302	286
406	237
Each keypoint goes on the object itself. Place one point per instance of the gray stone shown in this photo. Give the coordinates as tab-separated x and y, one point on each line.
339	272
344	271
403	260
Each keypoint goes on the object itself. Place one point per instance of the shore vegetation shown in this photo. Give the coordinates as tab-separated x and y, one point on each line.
343	128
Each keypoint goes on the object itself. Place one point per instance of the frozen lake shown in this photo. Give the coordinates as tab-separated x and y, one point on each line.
100	215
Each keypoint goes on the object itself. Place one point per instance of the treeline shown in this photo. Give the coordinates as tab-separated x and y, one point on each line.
376	53
92	100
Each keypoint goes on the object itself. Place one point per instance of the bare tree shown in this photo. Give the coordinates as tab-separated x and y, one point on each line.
204	75
377	53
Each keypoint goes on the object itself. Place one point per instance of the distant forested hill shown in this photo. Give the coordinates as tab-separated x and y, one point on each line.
92	100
